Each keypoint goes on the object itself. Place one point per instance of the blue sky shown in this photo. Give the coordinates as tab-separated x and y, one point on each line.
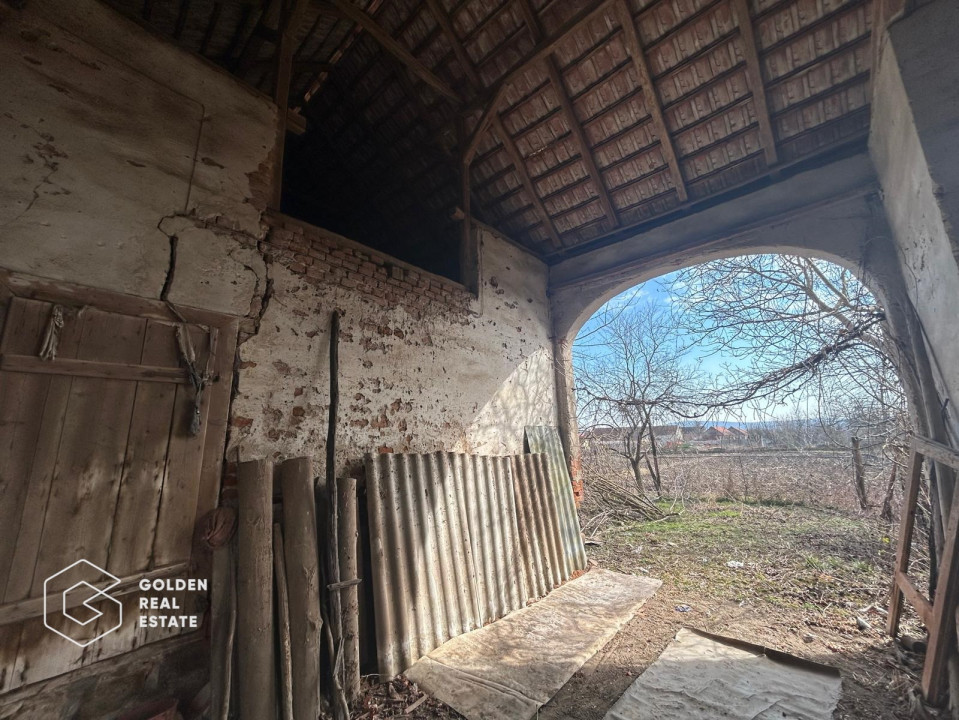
657	291
710	361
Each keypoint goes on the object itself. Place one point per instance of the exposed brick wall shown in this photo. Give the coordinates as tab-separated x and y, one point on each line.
326	257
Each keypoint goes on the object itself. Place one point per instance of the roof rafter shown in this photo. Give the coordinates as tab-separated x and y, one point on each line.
635	49
545	48
516	157
497	124
579	136
394	48
754	76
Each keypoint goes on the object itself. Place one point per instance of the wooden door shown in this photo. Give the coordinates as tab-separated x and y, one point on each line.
101	460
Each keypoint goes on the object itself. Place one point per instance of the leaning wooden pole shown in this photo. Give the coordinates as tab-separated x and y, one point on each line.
334	399
254	586
223	629
347	536
283	620
303	581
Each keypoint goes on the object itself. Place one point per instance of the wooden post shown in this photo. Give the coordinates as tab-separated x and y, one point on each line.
223	622
349	596
254	584
281	94
303	579
283	618
334	400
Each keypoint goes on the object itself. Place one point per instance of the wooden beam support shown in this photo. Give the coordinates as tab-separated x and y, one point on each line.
491	116
576	128
265	30
653	104
443	20
546	47
472	144
520	164
393	47
754	76
281	94
345	44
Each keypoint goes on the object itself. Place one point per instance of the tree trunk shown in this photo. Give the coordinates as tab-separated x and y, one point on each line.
860	475
886	513
654	466
637	474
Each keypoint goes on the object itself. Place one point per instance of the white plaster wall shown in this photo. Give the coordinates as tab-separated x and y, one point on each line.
104	133
915	133
446	381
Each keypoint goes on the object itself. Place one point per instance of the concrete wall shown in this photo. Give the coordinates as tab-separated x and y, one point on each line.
913	142
131	166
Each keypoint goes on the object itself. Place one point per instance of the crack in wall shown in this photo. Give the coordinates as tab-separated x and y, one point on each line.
45	152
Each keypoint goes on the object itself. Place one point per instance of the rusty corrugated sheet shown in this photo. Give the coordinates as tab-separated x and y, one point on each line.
545	439
458	540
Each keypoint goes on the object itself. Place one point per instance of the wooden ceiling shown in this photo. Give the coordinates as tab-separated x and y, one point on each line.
579	120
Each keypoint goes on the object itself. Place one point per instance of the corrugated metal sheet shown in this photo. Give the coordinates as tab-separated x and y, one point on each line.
457	541
545	439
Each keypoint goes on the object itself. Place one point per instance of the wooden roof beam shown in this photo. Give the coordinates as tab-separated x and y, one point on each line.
491	117
520	164
653	104
579	136
547	46
394	48
754	76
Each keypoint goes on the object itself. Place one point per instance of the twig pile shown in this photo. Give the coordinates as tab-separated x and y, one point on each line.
618	502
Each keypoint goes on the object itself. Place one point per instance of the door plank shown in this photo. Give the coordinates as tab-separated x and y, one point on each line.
174	534
178	504
20	423
92	369
26	524
141	486
141	482
83	495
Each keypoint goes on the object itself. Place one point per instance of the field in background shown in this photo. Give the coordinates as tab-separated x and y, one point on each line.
819	478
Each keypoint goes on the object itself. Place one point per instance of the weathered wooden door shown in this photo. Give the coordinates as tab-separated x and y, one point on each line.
106	457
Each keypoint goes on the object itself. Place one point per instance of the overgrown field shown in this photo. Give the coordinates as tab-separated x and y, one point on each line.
819	478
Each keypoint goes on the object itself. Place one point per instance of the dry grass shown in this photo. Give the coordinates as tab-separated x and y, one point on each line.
813	566
807	574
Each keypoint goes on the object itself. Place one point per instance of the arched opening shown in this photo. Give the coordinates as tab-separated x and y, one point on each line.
742	426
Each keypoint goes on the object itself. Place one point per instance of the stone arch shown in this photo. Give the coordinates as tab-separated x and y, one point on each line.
850	231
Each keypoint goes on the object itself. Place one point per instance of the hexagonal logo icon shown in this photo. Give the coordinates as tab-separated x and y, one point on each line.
71	612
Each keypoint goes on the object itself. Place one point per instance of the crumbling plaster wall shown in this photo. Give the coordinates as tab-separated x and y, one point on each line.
138	168
131	166
424	365
111	140
913	142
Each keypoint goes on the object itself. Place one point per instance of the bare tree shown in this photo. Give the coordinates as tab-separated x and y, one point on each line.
801	327
631	376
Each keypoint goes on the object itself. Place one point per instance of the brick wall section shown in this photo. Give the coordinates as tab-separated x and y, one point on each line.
325	257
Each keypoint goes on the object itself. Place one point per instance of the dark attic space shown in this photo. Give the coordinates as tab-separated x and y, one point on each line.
314	322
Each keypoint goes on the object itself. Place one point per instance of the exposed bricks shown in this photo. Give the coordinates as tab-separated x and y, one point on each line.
323	256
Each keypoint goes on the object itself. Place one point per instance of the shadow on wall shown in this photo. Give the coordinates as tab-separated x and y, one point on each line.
525	398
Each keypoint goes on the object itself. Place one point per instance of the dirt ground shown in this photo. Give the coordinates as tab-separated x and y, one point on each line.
807	578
